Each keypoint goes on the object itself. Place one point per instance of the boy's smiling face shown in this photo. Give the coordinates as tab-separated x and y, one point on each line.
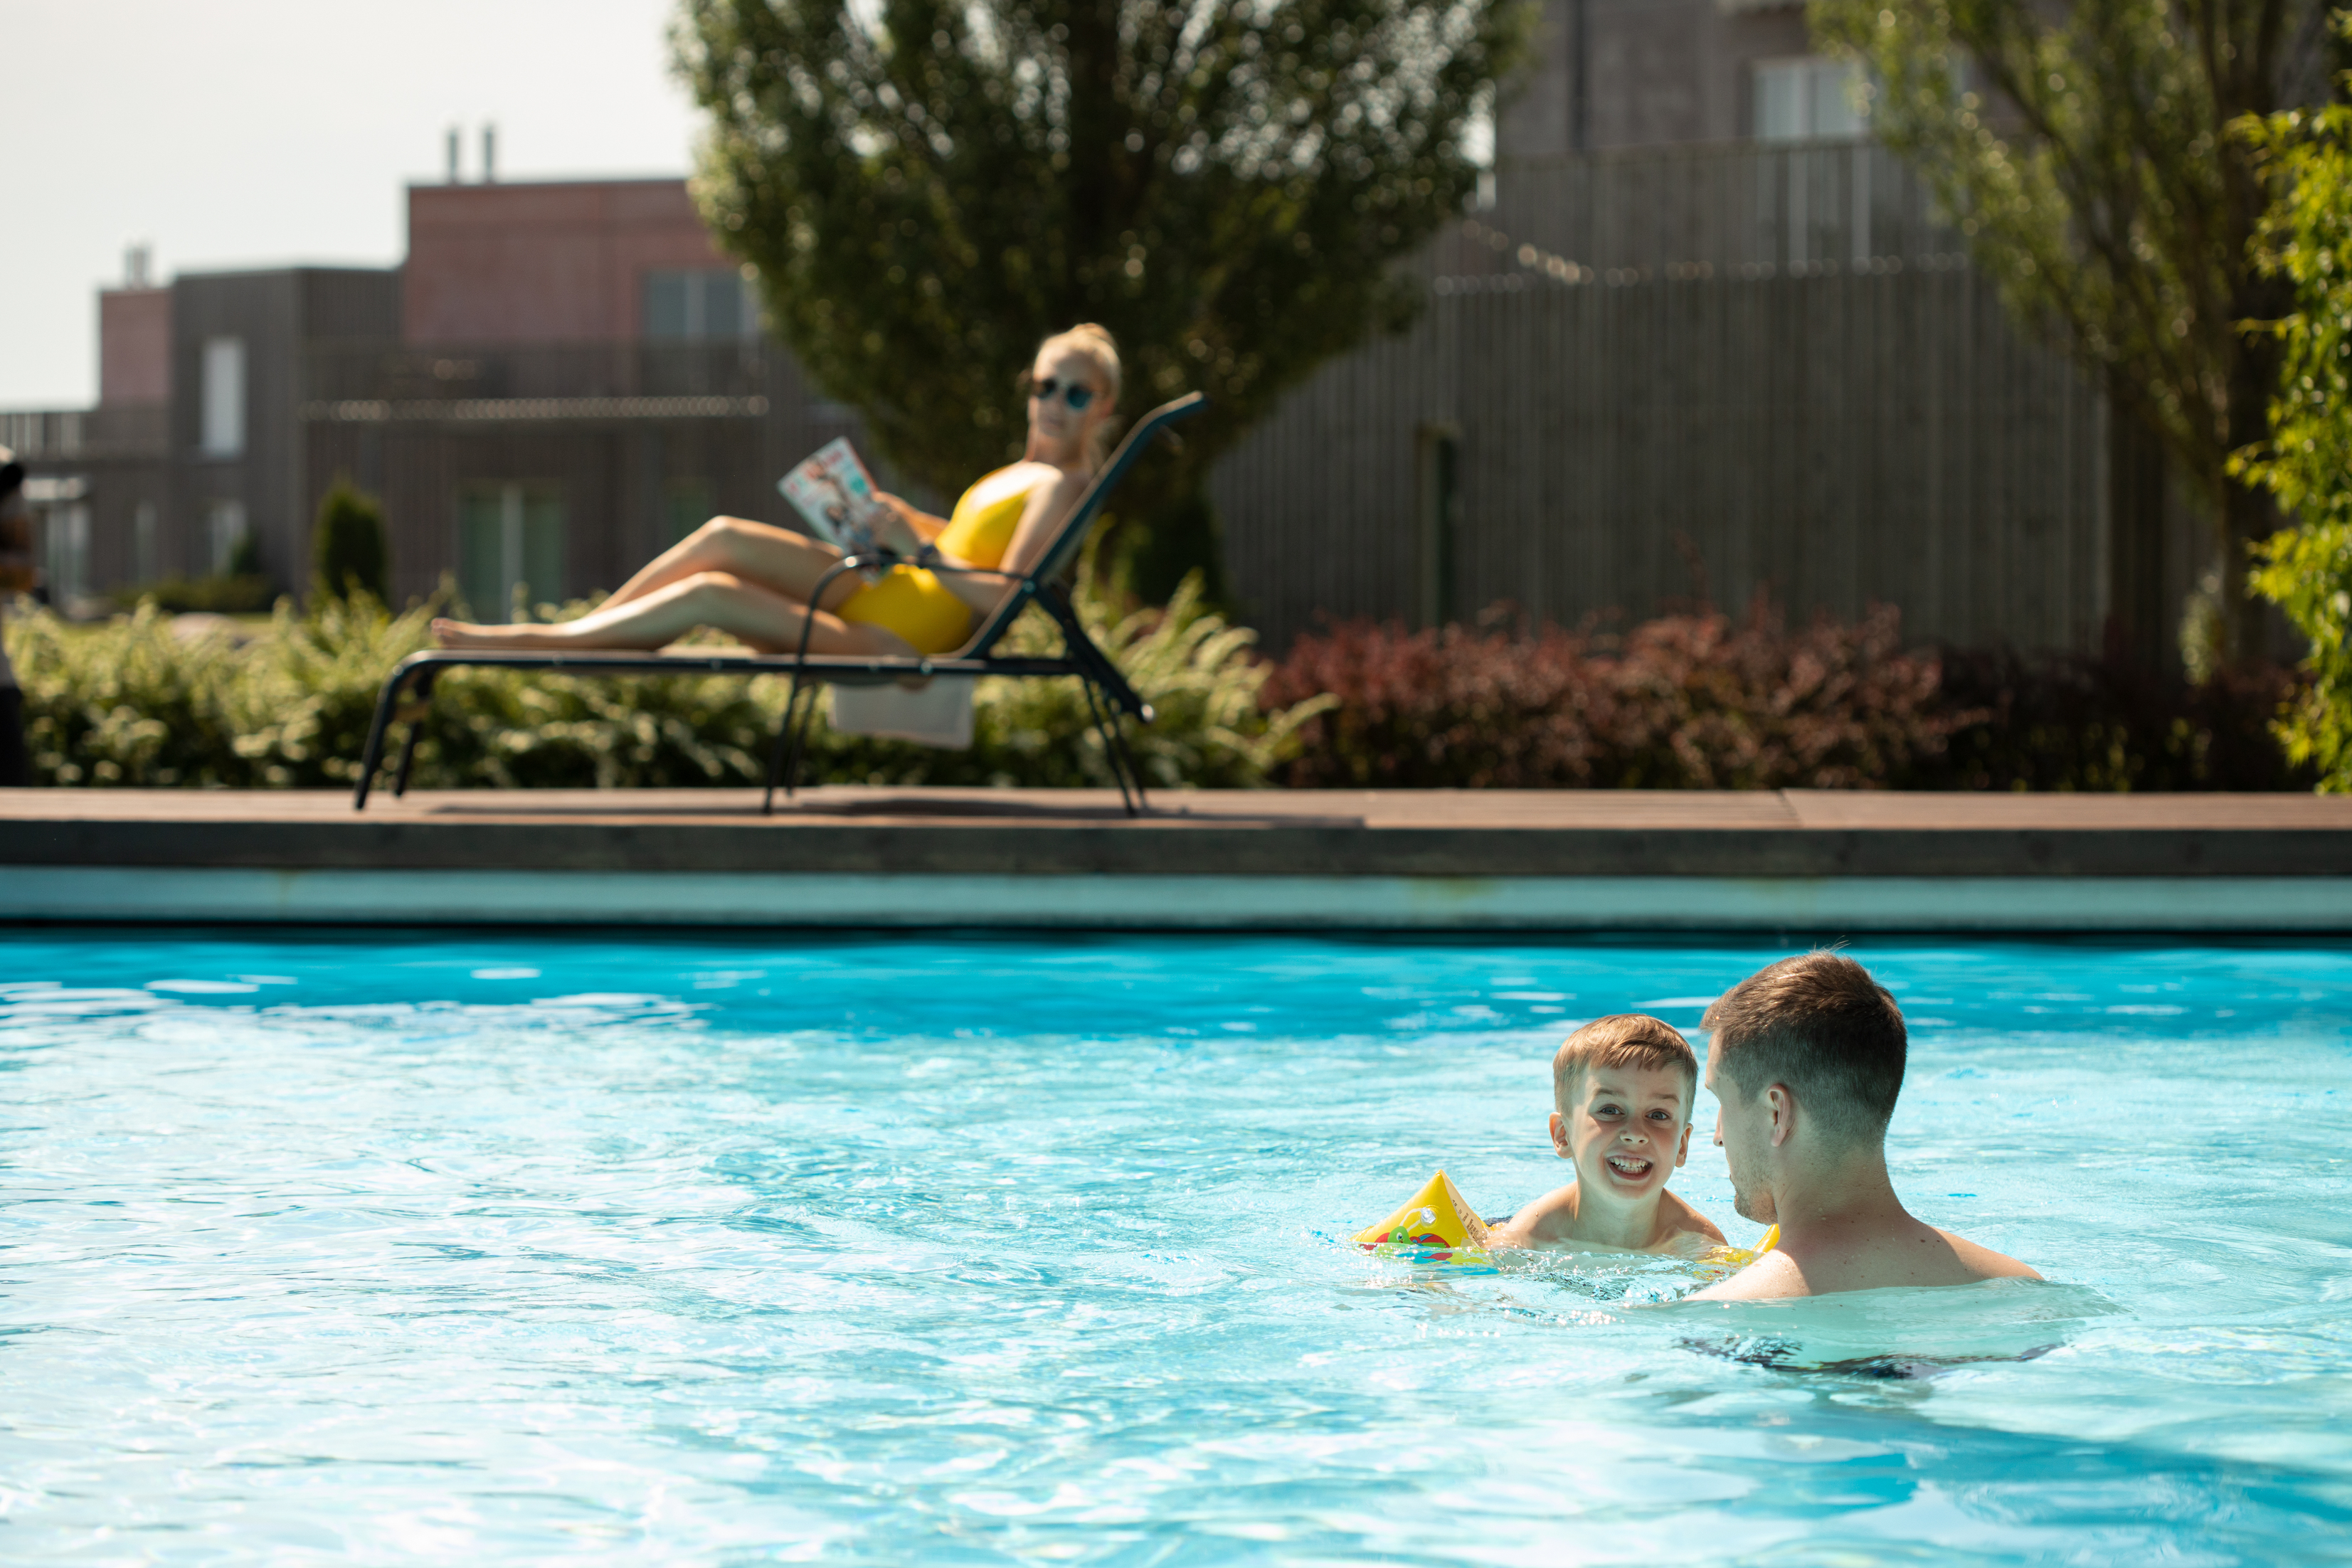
1627	1131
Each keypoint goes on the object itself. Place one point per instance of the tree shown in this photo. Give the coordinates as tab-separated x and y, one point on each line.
347	549
2306	241
2084	146
927	187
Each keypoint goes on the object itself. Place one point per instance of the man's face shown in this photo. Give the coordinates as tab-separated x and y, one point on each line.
1627	1131
1743	1131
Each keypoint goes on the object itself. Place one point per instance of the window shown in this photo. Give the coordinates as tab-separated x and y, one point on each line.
510	544
1807	99
700	305
65	551
224	397
223	532
143	543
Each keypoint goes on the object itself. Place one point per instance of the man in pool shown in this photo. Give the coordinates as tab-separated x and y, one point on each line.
1805	1062
1622	1090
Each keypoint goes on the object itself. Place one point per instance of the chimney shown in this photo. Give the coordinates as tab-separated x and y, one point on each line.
134	267
453	154
489	153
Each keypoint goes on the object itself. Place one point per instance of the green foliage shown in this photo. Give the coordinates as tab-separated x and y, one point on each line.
245	558
2083	148
927	187
133	702
2307	461
1703	700
217	595
347	549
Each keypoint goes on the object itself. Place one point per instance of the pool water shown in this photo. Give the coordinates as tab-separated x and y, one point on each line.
516	1248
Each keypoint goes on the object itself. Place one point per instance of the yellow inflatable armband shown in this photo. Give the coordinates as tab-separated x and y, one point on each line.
1721	1261
1437	1218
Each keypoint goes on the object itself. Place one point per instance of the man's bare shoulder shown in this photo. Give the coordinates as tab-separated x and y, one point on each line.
1984	1262
1769	1278
1931	1258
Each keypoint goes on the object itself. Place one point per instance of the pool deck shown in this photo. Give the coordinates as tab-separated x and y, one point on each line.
1786	861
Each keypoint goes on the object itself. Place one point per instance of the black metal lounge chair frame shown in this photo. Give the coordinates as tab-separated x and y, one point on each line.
1108	695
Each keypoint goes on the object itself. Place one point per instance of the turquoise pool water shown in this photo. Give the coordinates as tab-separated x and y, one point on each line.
499	1250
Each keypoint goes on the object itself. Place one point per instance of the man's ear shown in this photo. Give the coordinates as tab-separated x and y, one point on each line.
1784	1112
1559	1136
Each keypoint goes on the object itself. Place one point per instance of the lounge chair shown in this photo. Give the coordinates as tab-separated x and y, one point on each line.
1108	691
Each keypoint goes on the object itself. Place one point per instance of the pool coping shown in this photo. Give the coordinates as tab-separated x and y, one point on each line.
1407	860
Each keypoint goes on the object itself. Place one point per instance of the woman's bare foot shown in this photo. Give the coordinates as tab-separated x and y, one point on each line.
466	634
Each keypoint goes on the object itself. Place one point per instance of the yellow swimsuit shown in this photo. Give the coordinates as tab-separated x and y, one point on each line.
913	602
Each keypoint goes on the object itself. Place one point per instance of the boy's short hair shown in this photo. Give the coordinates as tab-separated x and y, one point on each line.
1820	1025
1622	1040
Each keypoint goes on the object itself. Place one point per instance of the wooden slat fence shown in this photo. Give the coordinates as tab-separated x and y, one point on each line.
1844	433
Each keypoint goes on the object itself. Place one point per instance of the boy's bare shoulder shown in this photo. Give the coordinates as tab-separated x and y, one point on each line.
1536	1222
1681	1217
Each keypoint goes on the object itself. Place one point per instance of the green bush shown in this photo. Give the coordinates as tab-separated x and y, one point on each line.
1707	701
2307	463
218	594
133	702
347	549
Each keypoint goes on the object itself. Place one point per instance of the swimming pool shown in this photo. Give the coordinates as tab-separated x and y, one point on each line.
507	1248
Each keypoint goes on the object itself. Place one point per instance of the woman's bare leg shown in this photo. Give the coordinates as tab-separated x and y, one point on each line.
775	558
768	621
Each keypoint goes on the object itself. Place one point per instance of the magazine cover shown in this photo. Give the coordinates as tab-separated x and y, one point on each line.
831	489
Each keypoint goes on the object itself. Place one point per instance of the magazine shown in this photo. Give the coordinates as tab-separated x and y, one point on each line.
833	493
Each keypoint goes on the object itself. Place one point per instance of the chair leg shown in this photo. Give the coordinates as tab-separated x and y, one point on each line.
1114	748
784	759
415	729
1118	733
371	756
776	751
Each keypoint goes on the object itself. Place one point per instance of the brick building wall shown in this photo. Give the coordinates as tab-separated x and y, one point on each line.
550	263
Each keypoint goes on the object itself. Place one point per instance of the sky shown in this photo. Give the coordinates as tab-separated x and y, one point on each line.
229	133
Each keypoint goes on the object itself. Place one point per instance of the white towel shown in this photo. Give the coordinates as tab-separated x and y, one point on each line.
938	715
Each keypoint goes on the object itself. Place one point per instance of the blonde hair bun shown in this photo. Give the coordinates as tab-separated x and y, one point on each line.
1094	341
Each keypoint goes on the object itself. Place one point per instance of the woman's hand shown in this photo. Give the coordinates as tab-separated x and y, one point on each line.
904	527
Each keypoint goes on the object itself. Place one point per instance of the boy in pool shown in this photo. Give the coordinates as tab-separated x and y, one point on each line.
1624	1089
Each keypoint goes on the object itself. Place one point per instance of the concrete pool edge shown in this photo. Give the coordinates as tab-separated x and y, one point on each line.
1208	901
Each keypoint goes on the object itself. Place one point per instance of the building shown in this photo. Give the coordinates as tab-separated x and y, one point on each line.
559	379
1615	74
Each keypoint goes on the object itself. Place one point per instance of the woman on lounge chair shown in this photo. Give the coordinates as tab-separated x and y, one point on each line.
753	582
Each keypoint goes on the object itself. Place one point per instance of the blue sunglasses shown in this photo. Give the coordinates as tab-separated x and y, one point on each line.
1076	393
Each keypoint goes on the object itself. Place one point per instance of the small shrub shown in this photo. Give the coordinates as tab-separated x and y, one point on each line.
347	551
2108	724
219	594
1696	701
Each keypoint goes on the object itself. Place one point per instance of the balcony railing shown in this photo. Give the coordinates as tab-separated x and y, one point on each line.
120	430
608	373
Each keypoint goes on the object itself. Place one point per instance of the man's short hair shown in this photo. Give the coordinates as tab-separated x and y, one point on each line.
1633	1040
1821	1025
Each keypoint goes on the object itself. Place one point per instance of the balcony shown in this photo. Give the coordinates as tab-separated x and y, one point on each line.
376	383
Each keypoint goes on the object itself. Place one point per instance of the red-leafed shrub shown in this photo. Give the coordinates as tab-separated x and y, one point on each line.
1703	700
